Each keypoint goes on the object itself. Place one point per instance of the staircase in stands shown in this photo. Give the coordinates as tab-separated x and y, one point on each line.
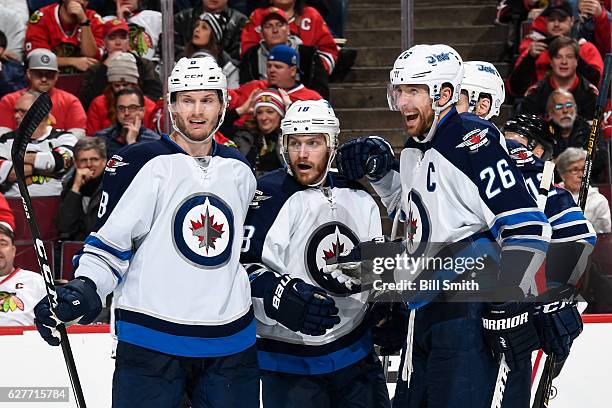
373	28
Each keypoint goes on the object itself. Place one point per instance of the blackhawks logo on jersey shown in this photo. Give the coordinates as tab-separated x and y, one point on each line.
9	302
203	230
324	245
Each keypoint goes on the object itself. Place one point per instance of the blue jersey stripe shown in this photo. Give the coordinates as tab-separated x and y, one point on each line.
117	253
312	365
526	216
526	242
184	345
568	217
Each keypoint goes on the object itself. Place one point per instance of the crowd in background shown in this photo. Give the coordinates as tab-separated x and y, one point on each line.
286	50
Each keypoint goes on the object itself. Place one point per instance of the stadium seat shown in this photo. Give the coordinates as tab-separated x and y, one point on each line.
45	209
25	257
69	249
70	83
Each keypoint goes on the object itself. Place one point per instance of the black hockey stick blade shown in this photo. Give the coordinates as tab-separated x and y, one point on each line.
32	119
595	130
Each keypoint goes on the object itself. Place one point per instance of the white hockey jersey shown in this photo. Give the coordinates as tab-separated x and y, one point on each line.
168	243
293	230
20	291
462	185
54	157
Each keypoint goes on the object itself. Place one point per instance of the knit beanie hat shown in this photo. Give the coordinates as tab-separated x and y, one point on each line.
122	67
271	98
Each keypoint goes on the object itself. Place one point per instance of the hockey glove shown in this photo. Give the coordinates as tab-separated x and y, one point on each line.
300	306
77	299
557	321
389	326
370	156
509	330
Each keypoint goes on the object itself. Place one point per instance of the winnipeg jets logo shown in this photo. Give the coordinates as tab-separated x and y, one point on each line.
417	225
114	163
331	254
207	230
521	156
474	139
203	230
324	245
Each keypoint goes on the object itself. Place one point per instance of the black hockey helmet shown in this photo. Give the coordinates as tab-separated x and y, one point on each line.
536	130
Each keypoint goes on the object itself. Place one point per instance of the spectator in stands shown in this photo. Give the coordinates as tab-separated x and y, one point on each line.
275	31
282	70
14	28
570	165
67	112
206	40
69	29
6	214
534	61
116	40
121	73
304	22
12	73
145	27
231	21
565	59
594	24
258	140
572	130
129	127
20	290
48	156
82	190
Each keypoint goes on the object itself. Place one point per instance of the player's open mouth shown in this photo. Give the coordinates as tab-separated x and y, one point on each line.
197	122
304	166
411	117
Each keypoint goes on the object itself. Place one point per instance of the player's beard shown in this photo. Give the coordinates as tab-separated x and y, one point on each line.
314	174
424	123
198	135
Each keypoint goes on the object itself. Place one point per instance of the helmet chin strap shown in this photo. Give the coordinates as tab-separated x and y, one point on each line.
432	130
329	162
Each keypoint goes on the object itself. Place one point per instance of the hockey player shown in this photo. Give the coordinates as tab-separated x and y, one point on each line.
302	217
167	243
482	90
455	182
573	237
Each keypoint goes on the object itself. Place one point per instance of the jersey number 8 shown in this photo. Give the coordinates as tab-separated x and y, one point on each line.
503	172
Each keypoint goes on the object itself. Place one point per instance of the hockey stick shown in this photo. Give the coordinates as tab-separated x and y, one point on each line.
543	394
504	370
595	131
34	116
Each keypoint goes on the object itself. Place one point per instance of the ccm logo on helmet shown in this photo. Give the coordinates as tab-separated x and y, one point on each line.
505	324
194	75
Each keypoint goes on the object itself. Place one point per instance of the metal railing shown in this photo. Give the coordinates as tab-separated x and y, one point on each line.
407	22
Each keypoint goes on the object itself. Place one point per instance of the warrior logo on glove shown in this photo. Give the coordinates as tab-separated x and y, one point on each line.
326	243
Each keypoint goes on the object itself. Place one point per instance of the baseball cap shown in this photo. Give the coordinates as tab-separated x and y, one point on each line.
284	53
115	25
42	58
272	12
563	7
272	99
